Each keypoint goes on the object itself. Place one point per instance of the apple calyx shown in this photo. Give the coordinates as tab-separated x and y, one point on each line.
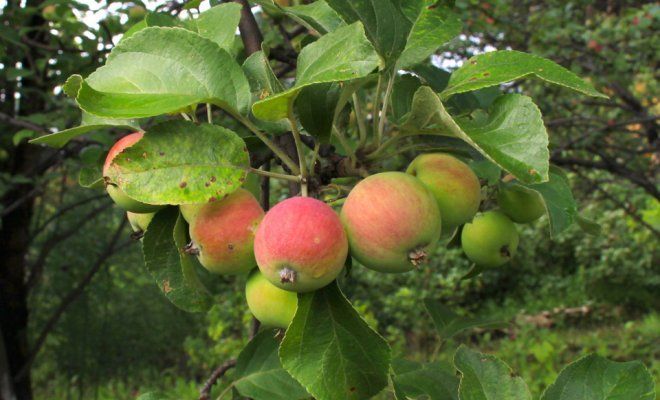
287	275
191	249
418	256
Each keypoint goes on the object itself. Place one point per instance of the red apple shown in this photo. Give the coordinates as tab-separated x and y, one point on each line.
300	245
392	222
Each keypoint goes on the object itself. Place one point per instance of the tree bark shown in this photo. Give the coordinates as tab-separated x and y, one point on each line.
14	232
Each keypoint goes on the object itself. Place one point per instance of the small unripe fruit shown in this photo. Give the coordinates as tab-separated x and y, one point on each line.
222	233
392	222
118	196
139	222
490	240
272	306
137	12
522	206
453	184
49	12
300	245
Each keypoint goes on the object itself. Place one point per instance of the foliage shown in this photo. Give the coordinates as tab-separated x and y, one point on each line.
346	72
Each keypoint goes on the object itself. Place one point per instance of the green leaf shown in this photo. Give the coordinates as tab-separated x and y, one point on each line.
432	381
90	178
484	376
72	85
316	109
263	83
403	91
219	24
331	351
136	80
407	31
162	248
138	26
317	16
190	4
497	67
342	55
511	134
448	323
486	170
385	23
596	378
259	373
154	396
260	75
152	19
88	124
462	103
14	73
178	162
21	135
559	202
589	226
435	25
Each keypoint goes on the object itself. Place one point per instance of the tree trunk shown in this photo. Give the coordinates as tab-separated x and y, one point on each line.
14	231
14	240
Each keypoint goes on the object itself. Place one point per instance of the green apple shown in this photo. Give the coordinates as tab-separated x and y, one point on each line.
139	222
520	204
490	240
272	306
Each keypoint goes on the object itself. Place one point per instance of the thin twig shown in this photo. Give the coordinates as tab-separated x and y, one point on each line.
362	128
286	177
22	123
300	151
271	145
386	101
205	392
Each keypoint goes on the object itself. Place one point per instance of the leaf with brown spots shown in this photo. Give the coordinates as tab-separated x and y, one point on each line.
201	161
497	67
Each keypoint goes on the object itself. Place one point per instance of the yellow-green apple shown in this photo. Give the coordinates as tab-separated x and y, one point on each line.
453	184
272	306
519	204
490	240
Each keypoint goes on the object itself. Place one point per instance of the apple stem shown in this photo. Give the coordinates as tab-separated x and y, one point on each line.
209	113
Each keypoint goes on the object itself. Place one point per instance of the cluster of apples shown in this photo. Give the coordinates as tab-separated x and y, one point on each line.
390	221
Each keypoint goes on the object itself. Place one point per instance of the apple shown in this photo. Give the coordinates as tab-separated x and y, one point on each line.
453	184
392	222
301	245
272	306
490	240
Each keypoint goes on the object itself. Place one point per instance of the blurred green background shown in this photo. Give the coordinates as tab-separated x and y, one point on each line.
117	336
